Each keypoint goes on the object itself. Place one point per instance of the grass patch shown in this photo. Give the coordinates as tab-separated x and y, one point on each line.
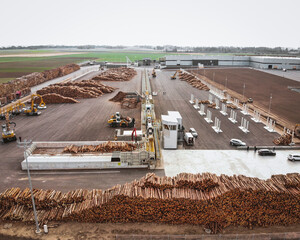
5	80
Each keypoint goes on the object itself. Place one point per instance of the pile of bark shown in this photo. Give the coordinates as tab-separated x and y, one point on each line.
73	90
129	103
106	147
285	139
202	199
119	97
192	80
116	74
33	79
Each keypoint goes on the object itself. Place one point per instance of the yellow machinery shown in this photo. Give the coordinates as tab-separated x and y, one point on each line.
33	109
153	73
174	76
8	134
118	121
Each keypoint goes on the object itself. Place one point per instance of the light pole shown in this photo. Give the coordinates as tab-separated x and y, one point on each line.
244	91
25	145
214	77
226	83
270	104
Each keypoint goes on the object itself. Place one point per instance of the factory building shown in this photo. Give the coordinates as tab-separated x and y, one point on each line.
263	62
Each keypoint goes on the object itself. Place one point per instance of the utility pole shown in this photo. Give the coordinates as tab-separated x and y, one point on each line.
25	145
226	83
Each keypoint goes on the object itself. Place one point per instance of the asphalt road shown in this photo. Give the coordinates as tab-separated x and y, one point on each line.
83	121
178	94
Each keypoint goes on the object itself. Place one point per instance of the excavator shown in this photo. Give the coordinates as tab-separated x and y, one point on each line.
153	73
117	120
8	134
33	109
173	77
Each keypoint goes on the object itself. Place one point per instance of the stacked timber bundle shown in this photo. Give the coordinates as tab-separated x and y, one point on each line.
116	74
204	199
68	92
232	106
285	139
106	147
33	79
212	105
192	80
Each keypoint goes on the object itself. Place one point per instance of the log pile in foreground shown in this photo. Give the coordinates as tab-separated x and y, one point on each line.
203	199
33	79
192	80
105	147
74	90
116	74
285	139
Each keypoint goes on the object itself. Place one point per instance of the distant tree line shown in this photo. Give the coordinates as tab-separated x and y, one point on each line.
174	49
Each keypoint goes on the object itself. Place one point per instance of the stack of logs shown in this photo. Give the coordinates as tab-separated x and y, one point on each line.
68	92
285	139
192	80
26	82
203	199
116	74
105	147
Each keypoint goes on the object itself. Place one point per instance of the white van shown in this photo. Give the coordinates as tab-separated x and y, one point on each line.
189	139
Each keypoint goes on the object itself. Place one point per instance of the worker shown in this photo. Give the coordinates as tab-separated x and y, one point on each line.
247	148
254	148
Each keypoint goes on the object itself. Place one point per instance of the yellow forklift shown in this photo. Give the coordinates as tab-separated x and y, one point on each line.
118	121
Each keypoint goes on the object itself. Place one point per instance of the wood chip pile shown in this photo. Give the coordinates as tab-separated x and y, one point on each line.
192	80
203	199
116	74
106	147
74	90
285	139
33	79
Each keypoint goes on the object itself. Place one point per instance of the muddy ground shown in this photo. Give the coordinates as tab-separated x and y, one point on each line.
259	86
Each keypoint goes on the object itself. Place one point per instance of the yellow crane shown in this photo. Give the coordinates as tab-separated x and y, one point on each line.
173	77
33	109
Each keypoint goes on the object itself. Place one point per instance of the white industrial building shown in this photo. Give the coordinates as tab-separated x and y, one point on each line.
263	62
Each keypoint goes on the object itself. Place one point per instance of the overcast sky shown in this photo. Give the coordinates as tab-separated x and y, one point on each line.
242	23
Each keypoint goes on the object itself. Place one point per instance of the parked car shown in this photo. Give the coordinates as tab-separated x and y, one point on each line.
193	132
266	152
237	142
294	157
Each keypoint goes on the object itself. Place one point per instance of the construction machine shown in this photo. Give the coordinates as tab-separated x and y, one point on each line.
173	77
33	109
8	133
153	73
117	120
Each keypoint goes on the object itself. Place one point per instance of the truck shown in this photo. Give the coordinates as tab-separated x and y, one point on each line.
189	139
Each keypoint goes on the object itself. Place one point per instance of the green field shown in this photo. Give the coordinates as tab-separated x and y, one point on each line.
12	67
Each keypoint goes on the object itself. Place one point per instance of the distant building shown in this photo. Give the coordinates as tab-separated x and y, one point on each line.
263	62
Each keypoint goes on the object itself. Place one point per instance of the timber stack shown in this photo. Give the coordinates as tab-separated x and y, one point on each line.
204	199
285	139
116	74
192	80
26	82
106	147
73	90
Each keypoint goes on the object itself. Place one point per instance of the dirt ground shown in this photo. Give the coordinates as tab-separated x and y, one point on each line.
259	86
78	231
